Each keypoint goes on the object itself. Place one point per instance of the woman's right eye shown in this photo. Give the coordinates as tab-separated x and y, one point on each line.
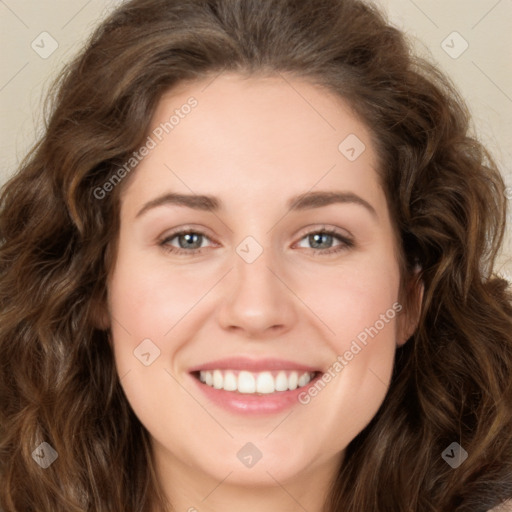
189	242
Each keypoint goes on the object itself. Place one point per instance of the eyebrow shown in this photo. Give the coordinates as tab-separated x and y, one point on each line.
301	202
319	199
195	201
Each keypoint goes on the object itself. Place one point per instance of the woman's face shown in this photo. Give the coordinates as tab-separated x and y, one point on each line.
252	298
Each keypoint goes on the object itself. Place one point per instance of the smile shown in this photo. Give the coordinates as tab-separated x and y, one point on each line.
244	385
247	382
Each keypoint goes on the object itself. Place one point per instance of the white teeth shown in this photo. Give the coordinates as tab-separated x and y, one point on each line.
218	379
265	383
281	382
293	380
246	382
257	382
230	381
303	380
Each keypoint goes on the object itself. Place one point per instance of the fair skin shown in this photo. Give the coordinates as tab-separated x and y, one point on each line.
253	143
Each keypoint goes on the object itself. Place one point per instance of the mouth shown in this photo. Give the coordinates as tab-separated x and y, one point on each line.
255	383
248	386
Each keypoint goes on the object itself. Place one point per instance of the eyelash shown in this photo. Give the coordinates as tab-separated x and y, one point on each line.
346	243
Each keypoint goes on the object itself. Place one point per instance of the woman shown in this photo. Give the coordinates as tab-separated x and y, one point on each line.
250	265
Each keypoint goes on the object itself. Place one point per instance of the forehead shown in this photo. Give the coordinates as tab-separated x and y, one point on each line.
254	137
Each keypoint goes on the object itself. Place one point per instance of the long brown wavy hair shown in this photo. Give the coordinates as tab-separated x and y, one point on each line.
452	380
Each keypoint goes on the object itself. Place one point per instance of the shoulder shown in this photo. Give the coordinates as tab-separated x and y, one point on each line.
504	507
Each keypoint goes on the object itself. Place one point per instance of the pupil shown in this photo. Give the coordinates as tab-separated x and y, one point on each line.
190	239
315	240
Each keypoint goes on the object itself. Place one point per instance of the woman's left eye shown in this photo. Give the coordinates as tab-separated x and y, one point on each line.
318	240
191	242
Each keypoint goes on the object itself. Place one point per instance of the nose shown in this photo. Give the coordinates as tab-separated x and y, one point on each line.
257	302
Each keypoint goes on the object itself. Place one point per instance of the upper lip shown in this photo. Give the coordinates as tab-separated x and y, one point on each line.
254	365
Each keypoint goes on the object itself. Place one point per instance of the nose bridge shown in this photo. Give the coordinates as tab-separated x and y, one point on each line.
253	279
256	299
252	269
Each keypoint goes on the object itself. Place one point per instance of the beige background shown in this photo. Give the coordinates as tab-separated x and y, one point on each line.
31	29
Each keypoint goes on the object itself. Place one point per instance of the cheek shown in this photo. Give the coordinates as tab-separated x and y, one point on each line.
355	383
143	308
148	300
353	297
359	304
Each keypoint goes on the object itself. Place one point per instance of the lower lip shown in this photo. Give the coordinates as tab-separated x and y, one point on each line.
243	403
